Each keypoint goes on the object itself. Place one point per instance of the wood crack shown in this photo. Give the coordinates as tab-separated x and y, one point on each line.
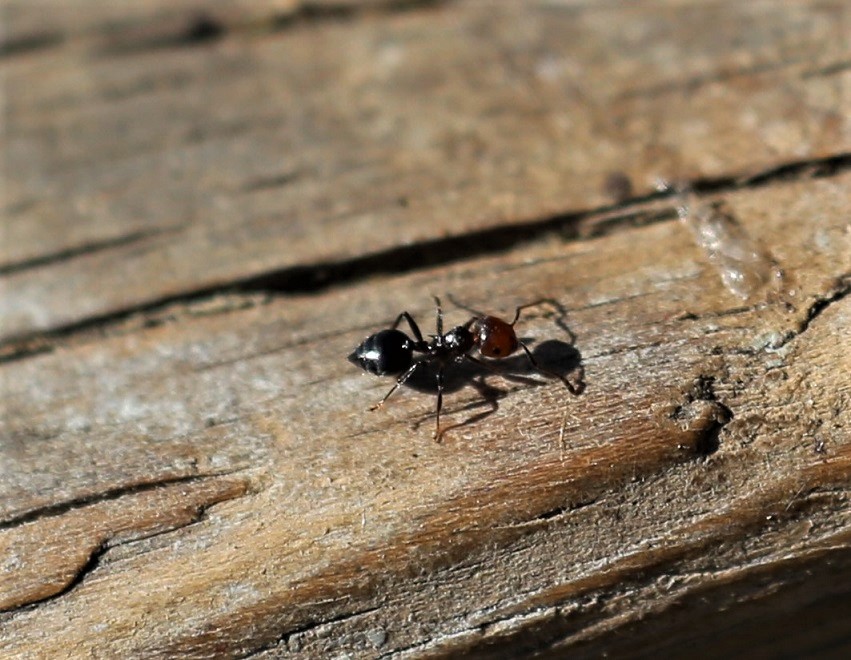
311	13
61	508
30	43
83	250
840	291
285	638
86	569
318	277
692	84
200	28
64	544
828	70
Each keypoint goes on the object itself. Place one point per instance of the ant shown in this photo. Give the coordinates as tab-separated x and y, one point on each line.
391	351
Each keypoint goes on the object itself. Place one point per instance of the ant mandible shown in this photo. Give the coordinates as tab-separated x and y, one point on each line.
391	351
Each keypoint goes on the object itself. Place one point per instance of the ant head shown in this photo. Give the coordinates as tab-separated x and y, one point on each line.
494	337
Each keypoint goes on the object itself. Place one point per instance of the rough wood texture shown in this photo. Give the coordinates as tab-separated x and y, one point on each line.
253	148
198	228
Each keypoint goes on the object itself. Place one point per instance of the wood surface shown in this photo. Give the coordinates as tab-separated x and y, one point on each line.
208	205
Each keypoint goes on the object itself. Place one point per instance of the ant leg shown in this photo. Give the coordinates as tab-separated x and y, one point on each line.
437	432
570	386
557	307
399	381
439	316
411	324
522	307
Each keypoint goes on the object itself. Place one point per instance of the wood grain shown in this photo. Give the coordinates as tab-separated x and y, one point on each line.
142	177
187	462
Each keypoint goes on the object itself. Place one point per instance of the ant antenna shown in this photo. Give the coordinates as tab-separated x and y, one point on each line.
439	315
461	305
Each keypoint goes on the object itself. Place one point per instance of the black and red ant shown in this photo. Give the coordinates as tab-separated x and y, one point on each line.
391	351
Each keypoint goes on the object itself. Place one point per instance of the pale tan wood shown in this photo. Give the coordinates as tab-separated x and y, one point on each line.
154	23
47	552
203	477
360	534
136	177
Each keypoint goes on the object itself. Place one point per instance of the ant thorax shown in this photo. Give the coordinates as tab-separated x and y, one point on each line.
457	342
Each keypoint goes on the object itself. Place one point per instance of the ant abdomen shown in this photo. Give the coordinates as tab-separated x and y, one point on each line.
494	337
386	352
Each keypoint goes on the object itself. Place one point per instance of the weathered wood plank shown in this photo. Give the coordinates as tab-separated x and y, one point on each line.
159	23
203	477
161	172
49	549
550	523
